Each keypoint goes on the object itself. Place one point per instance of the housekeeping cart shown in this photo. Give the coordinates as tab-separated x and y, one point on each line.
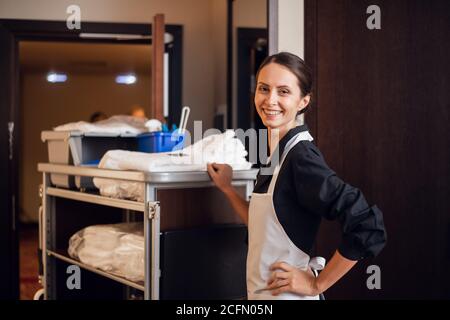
177	252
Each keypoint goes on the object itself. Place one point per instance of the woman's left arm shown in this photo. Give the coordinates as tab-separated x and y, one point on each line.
321	192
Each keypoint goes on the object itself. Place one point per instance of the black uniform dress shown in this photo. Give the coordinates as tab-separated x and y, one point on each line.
307	190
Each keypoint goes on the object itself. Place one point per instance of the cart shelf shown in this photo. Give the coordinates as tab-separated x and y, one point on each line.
97	199
59	254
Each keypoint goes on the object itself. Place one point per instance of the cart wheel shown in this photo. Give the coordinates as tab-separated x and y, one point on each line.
39	295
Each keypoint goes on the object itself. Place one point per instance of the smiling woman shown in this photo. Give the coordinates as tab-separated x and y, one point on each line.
287	205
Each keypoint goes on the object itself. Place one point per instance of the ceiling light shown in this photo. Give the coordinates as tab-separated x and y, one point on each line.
54	77
126	79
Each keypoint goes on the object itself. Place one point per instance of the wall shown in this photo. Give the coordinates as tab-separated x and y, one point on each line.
291	26
45	105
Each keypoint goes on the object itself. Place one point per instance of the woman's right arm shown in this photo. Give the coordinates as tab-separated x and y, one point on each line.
221	175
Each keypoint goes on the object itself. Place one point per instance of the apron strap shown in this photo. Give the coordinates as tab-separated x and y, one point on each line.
301	136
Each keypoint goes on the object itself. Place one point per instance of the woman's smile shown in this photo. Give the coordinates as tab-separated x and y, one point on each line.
272	113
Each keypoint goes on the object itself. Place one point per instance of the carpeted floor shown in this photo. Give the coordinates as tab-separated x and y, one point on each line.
29	270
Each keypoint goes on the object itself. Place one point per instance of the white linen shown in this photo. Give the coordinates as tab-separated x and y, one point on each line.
116	248
220	148
116	124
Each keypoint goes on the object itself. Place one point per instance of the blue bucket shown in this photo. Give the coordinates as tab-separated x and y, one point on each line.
160	141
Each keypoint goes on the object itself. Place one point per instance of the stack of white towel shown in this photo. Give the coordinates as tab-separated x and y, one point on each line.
115	248
220	148
116	124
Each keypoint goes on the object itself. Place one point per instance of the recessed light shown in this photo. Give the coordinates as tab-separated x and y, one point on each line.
54	77
126	79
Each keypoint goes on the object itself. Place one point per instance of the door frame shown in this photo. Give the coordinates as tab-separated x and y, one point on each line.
11	32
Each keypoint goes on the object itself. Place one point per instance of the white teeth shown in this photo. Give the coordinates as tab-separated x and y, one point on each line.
272	113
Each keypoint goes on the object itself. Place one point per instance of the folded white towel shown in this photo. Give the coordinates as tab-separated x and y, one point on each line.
219	148
116	248
116	124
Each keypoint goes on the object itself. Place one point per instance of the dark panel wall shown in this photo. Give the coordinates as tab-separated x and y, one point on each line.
381	119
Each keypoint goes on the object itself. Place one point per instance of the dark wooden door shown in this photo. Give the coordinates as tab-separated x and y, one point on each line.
9	254
381	119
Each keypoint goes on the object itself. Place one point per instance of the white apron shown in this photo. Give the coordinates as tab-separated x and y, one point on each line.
269	243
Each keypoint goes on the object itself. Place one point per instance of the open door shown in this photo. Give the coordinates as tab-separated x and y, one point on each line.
166	103
9	253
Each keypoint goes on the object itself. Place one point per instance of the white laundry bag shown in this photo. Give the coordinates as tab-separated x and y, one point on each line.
116	248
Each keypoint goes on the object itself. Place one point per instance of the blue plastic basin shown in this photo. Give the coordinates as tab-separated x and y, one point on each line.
160	141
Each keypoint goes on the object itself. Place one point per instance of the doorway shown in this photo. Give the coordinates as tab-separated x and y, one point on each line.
31	52
252	49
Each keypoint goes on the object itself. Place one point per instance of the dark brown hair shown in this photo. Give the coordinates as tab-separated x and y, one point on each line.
297	66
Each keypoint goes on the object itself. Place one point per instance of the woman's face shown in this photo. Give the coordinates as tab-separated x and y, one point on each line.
278	97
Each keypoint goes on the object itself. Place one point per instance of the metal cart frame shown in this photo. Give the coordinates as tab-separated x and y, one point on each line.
150	208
